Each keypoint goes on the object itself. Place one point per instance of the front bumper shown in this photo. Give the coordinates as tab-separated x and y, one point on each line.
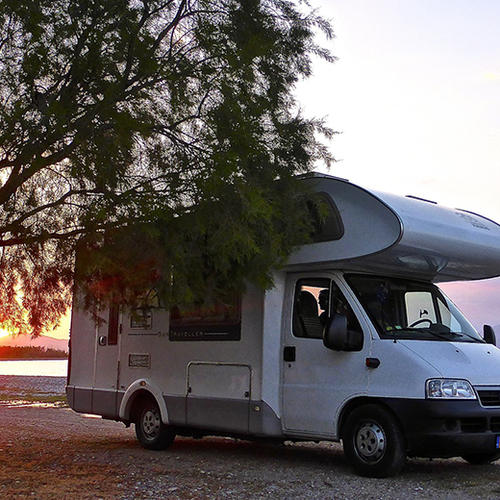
444	428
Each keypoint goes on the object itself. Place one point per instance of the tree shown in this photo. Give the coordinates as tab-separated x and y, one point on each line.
174	119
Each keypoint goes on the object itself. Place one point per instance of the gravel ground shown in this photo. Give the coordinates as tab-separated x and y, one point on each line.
50	452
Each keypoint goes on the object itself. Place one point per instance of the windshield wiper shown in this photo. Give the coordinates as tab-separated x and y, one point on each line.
442	335
465	334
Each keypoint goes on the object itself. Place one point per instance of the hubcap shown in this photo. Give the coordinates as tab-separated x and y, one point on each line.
370	442
151	423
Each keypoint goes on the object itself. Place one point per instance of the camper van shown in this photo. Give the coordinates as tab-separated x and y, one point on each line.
354	343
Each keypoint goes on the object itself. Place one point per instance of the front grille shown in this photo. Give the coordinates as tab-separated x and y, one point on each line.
489	397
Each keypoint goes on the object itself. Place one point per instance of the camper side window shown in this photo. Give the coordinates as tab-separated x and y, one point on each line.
327	223
217	320
113	325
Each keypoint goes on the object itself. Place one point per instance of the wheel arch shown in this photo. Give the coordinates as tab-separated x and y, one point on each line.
139	391
361	401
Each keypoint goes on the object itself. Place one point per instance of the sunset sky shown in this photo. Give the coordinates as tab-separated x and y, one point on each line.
62	332
415	94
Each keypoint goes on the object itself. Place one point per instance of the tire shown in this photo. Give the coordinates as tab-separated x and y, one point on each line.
374	442
151	432
482	458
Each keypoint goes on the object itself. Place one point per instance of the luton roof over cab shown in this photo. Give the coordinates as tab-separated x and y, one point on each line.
378	232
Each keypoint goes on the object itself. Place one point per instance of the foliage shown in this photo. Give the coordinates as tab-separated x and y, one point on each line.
166	129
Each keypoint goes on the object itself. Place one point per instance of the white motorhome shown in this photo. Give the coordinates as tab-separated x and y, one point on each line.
354	343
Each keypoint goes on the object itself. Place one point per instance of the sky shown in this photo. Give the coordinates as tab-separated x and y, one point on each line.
415	97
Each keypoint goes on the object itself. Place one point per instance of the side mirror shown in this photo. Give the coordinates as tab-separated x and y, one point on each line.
335	333
489	335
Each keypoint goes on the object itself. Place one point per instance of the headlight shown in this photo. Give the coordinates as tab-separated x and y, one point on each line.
445	388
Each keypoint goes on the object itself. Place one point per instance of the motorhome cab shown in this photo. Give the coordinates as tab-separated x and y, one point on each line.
355	343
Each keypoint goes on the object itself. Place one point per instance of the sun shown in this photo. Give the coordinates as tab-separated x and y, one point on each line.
4	333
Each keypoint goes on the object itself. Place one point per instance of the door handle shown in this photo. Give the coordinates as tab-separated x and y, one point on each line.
289	353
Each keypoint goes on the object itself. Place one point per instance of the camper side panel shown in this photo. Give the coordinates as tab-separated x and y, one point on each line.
208	379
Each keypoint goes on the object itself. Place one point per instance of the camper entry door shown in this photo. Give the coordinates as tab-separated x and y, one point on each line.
107	351
318	380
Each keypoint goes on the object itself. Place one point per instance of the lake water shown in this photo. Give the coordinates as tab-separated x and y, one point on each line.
38	367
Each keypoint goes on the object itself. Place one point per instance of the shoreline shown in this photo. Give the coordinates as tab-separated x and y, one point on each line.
33	387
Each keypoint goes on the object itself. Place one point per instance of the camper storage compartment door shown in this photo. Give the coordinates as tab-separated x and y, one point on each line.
218	396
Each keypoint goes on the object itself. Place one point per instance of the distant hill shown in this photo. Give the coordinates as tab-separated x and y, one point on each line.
42	341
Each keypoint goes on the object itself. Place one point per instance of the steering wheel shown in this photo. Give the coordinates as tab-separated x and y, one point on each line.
419	321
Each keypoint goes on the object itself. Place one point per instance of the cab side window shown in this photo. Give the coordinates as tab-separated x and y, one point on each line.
315	301
311	309
339	305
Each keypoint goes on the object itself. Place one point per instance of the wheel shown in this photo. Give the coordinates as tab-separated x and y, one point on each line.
374	442
482	458
151	432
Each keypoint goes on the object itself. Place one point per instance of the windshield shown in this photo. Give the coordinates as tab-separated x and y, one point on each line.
406	309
